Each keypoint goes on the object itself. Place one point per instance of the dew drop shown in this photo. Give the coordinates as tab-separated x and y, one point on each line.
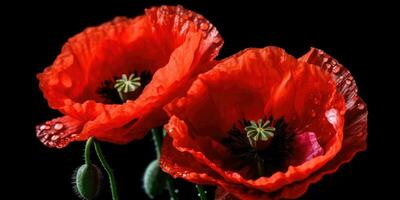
42	127
54	137
360	106
336	69
328	65
62	134
313	114
217	40
359	134
316	101
58	126
204	34
176	191
348	81
331	116
204	26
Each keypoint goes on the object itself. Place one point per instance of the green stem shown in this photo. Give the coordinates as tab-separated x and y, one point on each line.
201	192
108	169
122	96
260	166
88	145
157	138
171	190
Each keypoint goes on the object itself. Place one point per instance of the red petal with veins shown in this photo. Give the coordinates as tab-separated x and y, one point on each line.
305	148
249	85
355	127
172	43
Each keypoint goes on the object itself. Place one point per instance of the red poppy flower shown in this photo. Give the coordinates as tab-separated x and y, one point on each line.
265	125
167	47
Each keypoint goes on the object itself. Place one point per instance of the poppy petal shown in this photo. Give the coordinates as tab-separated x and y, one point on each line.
59	131
185	166
181	164
247	81
171	42
354	133
306	147
355	127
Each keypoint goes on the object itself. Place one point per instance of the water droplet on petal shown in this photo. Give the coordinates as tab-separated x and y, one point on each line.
332	116
42	127
204	26
58	126
360	106
217	40
313	114
316	101
328	65
336	69
204	34
55	137
348	81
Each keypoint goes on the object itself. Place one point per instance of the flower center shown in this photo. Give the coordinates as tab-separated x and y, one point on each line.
127	85
124	88
259	133
259	149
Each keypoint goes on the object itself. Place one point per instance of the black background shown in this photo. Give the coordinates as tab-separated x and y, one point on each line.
353	34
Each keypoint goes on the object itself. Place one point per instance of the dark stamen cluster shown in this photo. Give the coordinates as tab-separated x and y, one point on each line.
271	159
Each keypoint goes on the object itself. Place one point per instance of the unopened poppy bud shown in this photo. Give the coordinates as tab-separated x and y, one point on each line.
154	180
87	181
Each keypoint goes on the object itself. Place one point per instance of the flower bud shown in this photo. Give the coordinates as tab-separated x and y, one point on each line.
87	181
154	180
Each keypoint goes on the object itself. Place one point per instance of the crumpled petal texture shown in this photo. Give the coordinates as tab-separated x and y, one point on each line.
249	85
172	43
